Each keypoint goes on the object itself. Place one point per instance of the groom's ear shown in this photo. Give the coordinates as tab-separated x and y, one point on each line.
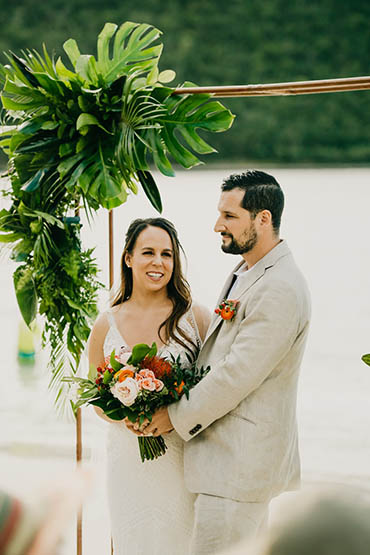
264	217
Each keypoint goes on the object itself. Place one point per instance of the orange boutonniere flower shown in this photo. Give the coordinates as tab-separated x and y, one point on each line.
227	309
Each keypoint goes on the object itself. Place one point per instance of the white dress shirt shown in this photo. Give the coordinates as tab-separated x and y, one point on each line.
239	277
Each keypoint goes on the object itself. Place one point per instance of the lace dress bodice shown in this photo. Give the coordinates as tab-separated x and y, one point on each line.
114	339
151	510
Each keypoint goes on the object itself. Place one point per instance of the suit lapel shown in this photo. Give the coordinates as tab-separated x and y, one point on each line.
215	317
227	285
260	267
249	279
252	275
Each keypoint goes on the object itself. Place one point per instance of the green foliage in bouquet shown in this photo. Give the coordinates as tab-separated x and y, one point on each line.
84	135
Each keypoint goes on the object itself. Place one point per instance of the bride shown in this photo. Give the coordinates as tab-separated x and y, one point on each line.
151	511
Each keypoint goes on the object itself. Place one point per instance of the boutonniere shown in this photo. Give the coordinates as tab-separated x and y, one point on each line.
227	309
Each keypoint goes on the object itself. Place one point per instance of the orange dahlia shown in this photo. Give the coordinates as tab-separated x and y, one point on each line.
159	366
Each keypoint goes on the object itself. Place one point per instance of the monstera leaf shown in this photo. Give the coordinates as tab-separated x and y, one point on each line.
96	127
85	132
186	114
26	293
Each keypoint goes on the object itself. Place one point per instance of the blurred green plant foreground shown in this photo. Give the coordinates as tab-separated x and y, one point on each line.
242	42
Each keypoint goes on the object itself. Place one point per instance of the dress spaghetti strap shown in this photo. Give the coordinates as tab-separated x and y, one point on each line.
110	318
194	325
113	327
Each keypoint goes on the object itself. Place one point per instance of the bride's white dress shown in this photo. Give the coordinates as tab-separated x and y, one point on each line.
150	508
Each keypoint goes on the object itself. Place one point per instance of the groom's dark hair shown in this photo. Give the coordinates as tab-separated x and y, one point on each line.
261	192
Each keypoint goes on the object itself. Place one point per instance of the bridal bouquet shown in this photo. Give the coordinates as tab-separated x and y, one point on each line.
134	385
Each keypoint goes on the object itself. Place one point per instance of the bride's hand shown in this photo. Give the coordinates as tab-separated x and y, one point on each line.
160	424
134	426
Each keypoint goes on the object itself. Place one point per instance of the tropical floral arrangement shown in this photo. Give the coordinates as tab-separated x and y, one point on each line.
82	135
134	385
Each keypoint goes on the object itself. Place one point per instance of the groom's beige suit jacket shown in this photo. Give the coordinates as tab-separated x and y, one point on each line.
240	421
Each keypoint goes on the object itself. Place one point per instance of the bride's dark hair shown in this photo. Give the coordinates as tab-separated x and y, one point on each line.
178	289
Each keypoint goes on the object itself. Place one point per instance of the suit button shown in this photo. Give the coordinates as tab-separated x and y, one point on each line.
195	429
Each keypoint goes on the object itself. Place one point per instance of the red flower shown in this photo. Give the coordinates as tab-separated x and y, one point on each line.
101	369
159	366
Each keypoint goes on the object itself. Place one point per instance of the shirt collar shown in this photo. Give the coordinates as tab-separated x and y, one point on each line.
281	249
241	270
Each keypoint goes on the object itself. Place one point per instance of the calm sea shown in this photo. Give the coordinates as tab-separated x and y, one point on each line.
327	225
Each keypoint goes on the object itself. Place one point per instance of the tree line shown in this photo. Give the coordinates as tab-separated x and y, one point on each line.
241	42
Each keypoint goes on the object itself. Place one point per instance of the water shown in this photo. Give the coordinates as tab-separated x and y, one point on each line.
326	223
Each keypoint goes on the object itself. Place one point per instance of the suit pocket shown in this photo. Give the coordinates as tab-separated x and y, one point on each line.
242	417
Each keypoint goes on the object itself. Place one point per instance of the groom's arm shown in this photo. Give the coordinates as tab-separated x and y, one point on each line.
266	334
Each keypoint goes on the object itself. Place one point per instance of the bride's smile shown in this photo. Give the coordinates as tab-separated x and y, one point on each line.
155	276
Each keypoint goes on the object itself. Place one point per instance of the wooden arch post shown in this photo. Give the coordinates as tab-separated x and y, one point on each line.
78	414
111	280
79	452
234	91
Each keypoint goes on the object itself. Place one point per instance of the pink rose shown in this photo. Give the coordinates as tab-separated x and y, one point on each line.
148	384
159	385
147	374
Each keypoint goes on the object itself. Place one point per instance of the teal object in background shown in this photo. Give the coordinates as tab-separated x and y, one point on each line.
26	342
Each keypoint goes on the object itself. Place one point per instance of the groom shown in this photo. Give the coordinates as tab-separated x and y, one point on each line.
239	424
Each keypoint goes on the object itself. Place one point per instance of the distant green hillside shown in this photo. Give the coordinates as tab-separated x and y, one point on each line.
238	42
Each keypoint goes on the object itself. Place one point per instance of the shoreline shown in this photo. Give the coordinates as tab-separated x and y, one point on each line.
231	163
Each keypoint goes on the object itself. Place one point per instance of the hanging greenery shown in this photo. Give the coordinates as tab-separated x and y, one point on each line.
85	136
55	276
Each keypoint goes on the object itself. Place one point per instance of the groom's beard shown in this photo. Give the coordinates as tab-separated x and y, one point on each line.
240	248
